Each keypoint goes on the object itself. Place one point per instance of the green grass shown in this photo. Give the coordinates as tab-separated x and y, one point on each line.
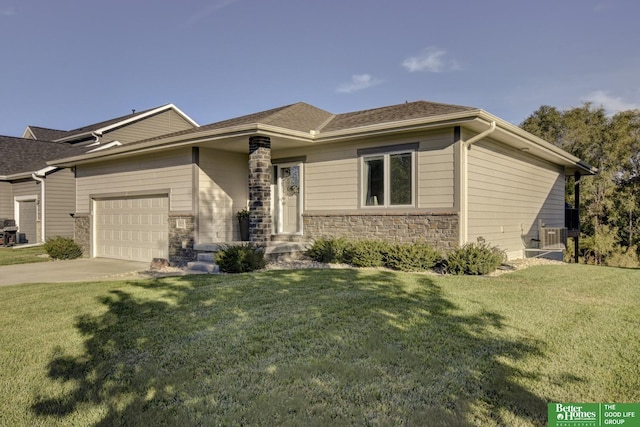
10	256
320	347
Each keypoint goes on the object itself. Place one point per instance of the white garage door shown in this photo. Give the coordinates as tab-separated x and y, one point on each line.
134	228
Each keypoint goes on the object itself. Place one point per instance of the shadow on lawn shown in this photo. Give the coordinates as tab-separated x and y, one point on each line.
292	348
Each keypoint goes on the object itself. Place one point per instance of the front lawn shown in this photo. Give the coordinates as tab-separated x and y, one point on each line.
318	347
16	255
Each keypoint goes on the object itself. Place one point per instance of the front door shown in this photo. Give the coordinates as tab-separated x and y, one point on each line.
288	200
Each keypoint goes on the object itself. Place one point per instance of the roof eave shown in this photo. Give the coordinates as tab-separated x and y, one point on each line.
452	119
564	158
28	174
183	140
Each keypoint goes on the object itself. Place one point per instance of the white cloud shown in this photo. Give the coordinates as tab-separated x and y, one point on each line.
611	104
432	59
359	82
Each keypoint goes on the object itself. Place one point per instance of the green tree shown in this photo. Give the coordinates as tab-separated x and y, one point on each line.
610	208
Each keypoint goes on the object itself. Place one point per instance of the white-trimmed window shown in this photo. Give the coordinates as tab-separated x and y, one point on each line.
388	179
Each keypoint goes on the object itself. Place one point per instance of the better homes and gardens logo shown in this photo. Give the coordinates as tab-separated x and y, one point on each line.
594	414
576	414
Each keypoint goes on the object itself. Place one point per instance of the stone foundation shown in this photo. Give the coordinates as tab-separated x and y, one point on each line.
82	233
438	229
181	239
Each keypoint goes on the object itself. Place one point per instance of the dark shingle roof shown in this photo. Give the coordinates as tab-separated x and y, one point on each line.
393	113
45	134
304	117
19	155
300	116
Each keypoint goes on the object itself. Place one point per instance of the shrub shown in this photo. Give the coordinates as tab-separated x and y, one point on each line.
240	258
623	257
328	250
474	259
412	257
366	253
62	248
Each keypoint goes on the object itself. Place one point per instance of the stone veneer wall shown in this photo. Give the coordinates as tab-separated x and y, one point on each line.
259	189
82	233
438	229
181	239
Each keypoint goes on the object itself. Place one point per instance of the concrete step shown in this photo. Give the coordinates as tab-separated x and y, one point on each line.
207	257
285	251
208	267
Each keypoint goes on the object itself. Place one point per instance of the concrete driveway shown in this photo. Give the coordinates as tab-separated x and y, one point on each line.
77	270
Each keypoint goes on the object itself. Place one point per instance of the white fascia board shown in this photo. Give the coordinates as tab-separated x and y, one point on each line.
454	119
105	146
44	171
188	139
527	138
28	132
124	122
145	115
22	175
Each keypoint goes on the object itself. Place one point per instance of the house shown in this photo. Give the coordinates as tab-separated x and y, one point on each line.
41	198
419	171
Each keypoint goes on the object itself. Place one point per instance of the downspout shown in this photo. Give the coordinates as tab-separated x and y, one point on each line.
464	167
42	206
97	141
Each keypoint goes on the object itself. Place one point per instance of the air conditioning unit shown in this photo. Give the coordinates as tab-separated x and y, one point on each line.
553	237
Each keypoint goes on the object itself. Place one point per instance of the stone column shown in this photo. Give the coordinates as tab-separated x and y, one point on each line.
259	189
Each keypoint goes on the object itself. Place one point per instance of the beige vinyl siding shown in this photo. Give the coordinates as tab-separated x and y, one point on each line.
26	188
331	183
159	124
223	190
508	192
60	199
148	174
435	164
330	174
332	179
6	200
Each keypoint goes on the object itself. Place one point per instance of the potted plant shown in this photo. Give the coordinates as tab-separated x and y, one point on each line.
243	222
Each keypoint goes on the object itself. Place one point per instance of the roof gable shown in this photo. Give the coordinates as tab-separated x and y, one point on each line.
43	134
85	132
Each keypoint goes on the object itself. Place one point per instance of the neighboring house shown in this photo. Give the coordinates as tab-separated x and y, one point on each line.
418	171
41	198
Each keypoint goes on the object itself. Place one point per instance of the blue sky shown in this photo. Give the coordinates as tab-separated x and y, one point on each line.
69	63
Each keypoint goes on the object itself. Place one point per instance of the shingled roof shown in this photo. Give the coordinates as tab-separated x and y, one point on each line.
45	134
393	113
84	132
21	155
304	117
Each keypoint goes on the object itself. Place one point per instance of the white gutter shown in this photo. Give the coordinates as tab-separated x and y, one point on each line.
42	205
22	175
465	146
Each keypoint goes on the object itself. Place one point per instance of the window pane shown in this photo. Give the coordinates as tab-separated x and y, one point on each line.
374	181
400	179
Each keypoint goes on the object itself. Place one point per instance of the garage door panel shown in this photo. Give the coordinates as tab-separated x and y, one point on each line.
132	228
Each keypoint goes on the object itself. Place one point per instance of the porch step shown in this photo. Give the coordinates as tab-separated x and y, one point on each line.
285	251
203	266
205	262
207	257
273	251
